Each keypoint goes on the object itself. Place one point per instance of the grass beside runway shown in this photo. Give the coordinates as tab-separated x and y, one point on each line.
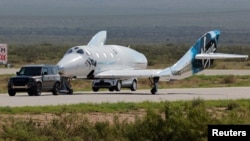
121	107
180	120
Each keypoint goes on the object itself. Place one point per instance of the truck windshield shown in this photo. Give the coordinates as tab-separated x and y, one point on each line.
33	71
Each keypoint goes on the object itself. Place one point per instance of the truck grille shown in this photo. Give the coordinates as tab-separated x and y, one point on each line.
20	81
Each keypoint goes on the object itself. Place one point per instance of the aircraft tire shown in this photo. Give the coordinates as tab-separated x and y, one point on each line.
153	91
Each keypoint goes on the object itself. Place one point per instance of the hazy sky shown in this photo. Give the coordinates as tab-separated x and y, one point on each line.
100	7
228	15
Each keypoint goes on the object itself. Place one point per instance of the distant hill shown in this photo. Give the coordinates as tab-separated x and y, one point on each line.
127	22
121	30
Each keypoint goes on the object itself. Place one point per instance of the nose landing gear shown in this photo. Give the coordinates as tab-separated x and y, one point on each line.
65	86
154	84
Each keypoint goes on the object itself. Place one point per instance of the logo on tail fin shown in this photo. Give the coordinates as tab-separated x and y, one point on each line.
205	45
208	45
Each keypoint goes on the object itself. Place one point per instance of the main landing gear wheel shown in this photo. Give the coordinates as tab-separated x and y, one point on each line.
155	85
153	90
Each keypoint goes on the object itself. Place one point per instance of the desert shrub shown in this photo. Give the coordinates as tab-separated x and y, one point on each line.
187	121
232	105
151	127
198	102
229	79
21	131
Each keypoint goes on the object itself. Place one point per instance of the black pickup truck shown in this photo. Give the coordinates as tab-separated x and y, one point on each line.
35	79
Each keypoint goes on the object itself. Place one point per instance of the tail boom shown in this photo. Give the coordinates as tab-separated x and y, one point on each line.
199	57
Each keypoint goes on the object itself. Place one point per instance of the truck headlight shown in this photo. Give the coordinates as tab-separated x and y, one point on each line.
31	80
10	81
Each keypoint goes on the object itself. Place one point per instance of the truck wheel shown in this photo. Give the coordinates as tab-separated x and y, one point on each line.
30	92
56	89
95	89
11	92
111	89
118	85
38	89
133	86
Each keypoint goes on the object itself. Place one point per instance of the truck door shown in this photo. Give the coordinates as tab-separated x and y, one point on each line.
45	77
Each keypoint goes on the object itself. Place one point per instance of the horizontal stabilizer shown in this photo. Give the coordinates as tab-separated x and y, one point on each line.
220	56
99	39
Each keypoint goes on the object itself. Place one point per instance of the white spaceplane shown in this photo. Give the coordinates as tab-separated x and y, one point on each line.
116	66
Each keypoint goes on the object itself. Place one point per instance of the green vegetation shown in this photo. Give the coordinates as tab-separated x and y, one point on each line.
121	107
35	54
154	121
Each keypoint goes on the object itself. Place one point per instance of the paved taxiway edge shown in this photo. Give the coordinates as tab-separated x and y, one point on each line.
225	93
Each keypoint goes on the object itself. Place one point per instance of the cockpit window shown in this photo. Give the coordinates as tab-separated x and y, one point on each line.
75	50
80	51
69	51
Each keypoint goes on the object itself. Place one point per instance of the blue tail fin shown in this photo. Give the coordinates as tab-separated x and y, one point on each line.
188	65
205	44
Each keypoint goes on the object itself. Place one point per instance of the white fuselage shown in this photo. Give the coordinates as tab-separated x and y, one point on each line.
86	61
111	66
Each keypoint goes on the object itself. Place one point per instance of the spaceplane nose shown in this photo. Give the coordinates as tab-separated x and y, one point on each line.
70	65
61	70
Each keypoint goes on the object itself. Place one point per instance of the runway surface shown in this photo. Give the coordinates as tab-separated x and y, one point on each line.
205	72
22	99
